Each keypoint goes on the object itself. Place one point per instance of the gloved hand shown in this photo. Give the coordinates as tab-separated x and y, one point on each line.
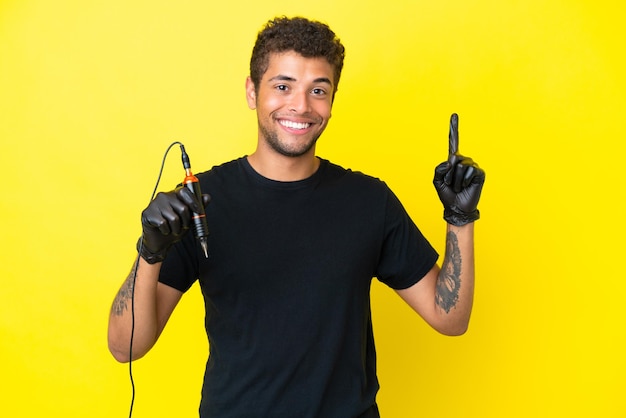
459	182
165	221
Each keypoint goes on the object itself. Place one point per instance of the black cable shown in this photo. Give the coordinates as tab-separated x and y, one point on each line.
132	297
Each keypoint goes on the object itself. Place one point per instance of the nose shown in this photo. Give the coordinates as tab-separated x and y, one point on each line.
299	102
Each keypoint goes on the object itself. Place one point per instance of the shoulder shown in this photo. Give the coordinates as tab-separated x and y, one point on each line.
222	172
352	178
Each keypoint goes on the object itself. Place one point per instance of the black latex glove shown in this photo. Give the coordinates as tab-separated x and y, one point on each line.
165	221
459	182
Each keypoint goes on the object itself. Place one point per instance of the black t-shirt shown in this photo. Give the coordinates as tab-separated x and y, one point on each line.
287	288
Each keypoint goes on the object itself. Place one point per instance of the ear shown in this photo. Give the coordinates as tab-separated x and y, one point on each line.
250	93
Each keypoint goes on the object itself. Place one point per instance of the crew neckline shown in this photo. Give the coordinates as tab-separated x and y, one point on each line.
284	185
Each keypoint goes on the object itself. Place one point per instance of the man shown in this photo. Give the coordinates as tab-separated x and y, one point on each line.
295	241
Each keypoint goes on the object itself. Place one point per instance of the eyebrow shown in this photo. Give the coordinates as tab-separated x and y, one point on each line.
281	77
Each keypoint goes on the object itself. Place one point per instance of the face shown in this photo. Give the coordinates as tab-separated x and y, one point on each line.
293	103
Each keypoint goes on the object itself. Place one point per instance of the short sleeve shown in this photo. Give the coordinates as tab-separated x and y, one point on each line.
406	255
180	268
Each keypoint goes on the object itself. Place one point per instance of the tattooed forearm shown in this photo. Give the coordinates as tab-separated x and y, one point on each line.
449	281
125	294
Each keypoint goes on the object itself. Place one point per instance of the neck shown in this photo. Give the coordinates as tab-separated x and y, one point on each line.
283	168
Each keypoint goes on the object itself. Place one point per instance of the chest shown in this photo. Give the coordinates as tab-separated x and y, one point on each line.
304	241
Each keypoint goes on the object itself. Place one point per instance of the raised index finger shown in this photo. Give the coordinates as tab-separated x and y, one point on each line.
453	137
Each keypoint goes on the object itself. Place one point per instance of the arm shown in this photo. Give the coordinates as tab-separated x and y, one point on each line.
154	302
165	221
444	296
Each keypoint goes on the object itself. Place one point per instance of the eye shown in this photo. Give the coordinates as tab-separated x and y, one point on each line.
282	87
318	91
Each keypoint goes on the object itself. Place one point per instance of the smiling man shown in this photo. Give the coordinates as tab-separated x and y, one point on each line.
295	242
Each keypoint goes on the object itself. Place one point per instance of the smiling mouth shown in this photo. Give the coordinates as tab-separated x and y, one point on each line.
294	125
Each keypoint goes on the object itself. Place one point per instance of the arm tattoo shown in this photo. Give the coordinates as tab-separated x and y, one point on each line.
449	281
125	294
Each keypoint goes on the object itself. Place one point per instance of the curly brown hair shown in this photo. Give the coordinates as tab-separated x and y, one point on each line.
308	38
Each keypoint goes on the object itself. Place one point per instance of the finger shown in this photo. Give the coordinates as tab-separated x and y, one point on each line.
156	221
469	176
190	199
153	215
177	213
172	223
459	176
453	136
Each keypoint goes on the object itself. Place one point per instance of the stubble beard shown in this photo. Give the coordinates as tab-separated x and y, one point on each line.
271	137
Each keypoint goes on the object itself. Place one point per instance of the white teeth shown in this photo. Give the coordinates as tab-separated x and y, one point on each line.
294	125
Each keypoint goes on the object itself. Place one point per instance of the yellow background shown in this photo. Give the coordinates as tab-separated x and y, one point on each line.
93	92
